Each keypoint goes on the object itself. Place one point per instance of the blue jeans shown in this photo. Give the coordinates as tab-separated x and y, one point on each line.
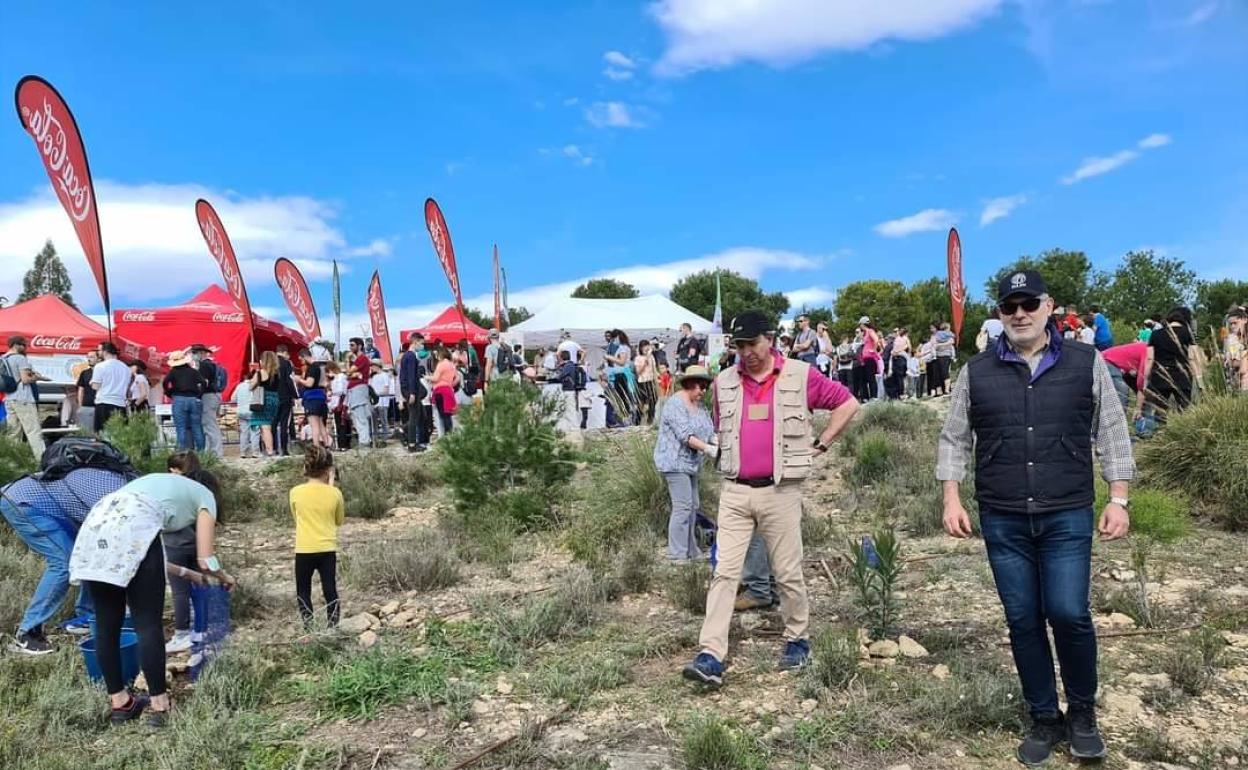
756	572
49	538
1042	564
188	421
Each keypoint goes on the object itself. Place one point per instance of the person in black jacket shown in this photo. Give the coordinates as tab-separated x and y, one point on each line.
411	394
284	421
185	387
215	383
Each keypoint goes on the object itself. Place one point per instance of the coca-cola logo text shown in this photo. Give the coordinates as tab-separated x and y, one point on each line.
227	318
956	288
215	237
303	311
442	245
142	316
56	343
377	312
53	142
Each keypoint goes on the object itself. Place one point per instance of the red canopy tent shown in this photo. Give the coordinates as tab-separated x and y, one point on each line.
63	336
212	319
449	328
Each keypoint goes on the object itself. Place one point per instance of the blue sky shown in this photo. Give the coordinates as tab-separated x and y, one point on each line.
807	143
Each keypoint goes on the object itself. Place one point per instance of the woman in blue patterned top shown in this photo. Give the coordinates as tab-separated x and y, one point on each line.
685	434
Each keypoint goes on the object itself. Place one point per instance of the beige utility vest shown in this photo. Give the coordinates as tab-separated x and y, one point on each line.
792	453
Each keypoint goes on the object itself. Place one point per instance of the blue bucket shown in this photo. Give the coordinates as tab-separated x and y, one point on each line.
129	657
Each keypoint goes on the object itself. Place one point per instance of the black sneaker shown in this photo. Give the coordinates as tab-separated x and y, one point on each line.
1044	736
156	719
1085	738
130	711
31	642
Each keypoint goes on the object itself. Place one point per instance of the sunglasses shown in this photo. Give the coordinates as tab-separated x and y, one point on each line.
1010	307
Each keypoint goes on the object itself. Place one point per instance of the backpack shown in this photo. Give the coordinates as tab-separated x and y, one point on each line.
8	382
74	452
220	378
504	360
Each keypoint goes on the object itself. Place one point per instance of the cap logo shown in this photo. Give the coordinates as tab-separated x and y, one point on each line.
1018	281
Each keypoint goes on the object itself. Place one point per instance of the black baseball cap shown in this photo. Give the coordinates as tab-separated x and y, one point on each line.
1025	283
750	324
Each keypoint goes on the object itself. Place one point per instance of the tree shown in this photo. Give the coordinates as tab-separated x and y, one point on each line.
47	276
886	303
696	293
1214	298
817	315
515	315
605	288
1069	276
1146	284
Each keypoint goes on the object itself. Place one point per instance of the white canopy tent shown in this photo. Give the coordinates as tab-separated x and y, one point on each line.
586	319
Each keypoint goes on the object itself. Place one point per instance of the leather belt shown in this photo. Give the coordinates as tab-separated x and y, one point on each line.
766	481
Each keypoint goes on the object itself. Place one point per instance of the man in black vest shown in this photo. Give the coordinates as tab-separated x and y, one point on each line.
284	421
1034	406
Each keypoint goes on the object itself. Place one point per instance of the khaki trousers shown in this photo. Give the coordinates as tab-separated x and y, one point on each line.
24	420
777	513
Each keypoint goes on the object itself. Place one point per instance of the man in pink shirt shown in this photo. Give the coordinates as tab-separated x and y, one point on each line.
1127	361
763	411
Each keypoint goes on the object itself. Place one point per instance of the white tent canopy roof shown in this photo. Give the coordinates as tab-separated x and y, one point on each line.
586	319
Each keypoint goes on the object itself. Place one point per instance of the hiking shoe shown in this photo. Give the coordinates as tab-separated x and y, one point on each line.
1045	735
31	642
1085	738
706	670
181	642
745	603
796	654
130	711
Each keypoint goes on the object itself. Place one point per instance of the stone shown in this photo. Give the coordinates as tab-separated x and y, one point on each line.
1116	620
480	708
940	671
1235	640
1122	704
356	624
885	648
405	618
389	608
419	732
368	639
1122	575
899	767
909	648
503	686
809	705
1159	681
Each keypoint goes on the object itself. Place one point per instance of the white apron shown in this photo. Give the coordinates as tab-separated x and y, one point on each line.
115	538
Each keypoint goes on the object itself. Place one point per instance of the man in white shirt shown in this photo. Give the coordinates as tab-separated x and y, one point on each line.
383	385
23	404
111	380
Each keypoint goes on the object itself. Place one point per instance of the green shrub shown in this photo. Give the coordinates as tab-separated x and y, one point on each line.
874	459
980	695
833	659
710	743
1157	517
135	436
575	679
506	459
1192	662
16	459
686	584
425	563
562	613
241	500
1200	452
240	679
375	483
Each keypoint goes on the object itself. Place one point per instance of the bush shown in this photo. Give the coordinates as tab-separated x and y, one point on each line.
1200	453
135	436
374	484
635	565
1192	663
562	613
426	563
710	743
980	695
575	679
833	660
16	459
686	586
1156	517
506	460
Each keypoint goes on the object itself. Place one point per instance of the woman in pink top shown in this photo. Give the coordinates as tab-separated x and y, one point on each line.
871	345
444	376
1126	369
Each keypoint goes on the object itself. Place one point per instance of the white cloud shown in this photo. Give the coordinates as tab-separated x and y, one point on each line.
149	228
815	296
577	155
713	34
927	220
1000	208
380	247
749	261
1201	14
1096	165
617	59
613	115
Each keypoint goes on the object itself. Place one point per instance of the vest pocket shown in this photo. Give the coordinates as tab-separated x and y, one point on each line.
985	456
1074	451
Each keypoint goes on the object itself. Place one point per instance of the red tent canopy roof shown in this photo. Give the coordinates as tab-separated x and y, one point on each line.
449	327
51	326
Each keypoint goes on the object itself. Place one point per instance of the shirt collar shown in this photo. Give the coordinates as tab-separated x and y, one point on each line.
777	363
1050	354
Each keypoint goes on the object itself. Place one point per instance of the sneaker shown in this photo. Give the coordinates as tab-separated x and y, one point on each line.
31	642
130	711
77	627
705	669
1085	738
1044	736
181	642
746	602
796	654
156	719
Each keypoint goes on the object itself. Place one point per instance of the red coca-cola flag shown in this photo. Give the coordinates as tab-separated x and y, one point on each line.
957	289
298	299
377	315
47	119
498	294
223	252
441	238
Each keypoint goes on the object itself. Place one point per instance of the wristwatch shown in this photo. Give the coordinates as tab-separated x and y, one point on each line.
822	447
1120	501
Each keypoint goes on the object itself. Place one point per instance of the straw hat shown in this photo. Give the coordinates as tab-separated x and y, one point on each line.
179	358
695	373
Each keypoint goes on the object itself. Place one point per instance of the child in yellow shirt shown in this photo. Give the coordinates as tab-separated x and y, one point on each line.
319	510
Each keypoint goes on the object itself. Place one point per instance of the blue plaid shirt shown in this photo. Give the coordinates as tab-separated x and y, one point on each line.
69	499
